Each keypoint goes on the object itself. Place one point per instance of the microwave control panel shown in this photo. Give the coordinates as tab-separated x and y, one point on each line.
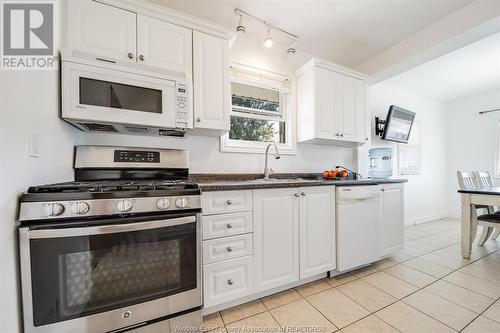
182	106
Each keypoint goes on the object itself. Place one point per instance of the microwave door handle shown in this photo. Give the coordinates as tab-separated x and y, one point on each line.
108	229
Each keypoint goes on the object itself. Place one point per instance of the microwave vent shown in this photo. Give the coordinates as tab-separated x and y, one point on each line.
99	127
137	130
165	132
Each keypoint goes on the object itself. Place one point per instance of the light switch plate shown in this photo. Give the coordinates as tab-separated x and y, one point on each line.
34	145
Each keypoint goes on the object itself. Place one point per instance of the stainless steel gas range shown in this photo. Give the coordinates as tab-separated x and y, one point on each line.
116	250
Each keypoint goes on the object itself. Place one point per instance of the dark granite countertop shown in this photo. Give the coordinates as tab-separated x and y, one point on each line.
228	182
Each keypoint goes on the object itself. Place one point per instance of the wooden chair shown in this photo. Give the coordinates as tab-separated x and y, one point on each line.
489	221
486	181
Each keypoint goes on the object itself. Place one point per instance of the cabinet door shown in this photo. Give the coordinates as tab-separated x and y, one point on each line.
328	103
392	233
164	45
317	230
276	237
353	110
103	30
211	82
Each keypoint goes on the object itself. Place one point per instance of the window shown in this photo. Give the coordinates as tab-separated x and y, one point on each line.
409	155
497	154
259	115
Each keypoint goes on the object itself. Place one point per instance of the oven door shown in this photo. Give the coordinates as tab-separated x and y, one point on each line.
100	95
107	277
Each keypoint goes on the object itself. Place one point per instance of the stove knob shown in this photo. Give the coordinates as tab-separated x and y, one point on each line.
80	208
181	202
124	205
53	209
163	203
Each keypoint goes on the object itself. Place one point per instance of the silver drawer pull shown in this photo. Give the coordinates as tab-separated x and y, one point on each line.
229	202
303	194
229	249
296	194
229	225
230	282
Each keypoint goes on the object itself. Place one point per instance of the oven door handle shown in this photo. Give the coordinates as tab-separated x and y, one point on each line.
108	229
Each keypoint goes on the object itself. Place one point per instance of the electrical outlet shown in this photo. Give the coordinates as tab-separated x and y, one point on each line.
34	145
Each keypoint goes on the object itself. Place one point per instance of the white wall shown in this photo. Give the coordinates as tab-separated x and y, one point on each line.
472	140
424	193
29	104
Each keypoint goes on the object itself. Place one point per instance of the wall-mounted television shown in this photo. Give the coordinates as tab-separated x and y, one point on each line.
398	124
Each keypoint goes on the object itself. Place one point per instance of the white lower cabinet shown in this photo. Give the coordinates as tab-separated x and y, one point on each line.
227	248
392	223
276	237
317	230
227	280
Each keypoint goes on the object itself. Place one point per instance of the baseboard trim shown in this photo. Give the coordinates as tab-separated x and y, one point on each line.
424	219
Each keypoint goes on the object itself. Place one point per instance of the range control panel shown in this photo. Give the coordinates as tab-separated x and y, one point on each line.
136	156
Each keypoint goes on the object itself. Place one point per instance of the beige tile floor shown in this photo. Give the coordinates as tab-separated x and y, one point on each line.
427	287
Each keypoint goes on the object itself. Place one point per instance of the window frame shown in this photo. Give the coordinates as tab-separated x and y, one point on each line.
497	153
408	147
287	116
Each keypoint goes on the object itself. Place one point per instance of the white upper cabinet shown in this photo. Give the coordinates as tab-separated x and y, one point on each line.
392	224
164	45
115	34
276	237
317	230
106	31
212	95
330	105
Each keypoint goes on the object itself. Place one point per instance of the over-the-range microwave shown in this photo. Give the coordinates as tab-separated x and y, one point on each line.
99	95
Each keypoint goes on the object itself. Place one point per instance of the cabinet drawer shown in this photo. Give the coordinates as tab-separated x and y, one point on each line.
227	248
215	226
227	280
226	202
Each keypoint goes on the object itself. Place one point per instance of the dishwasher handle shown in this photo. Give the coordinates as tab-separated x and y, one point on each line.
357	194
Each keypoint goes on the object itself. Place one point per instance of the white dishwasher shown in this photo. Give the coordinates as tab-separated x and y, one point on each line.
358	226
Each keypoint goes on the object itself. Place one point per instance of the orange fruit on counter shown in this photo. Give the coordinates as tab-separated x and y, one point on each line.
326	174
334	173
344	173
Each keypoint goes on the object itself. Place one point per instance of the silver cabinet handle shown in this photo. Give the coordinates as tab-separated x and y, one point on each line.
296	194
229	225
141	57
229	202
341	135
229	249
130	55
337	134
198	120
230	282
303	194
382	189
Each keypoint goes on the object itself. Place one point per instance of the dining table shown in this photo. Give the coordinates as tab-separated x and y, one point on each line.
471	198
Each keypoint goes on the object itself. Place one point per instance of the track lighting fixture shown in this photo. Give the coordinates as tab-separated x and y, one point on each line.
241	28
291	50
268	41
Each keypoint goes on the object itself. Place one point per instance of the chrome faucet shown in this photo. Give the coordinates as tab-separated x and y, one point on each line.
277	156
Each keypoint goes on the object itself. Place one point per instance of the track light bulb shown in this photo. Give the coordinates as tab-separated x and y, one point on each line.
268	41
241	28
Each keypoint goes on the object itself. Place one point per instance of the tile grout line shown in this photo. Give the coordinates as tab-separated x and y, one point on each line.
453	270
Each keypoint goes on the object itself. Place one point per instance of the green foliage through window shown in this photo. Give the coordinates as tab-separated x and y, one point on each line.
249	129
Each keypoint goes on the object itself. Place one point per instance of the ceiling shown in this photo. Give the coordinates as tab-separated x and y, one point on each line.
347	32
469	71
